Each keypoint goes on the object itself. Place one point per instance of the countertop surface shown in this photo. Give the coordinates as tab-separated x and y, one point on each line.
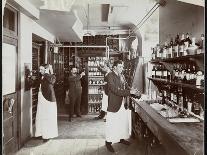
178	138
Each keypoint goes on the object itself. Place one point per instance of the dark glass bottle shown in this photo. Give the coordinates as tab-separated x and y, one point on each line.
180	98
171	48
196	106
187	39
175	46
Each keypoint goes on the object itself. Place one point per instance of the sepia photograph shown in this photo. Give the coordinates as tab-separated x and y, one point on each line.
102	77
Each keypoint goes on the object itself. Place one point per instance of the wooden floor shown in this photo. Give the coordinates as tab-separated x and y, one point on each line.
82	136
81	147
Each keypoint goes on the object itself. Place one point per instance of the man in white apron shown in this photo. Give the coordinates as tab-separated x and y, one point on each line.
118	116
46	117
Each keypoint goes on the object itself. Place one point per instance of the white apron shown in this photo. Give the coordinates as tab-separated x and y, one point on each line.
46	118
118	125
104	102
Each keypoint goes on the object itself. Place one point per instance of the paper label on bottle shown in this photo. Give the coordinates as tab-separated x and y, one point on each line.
171	96
165	73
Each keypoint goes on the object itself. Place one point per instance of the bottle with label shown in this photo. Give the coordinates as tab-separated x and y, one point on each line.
176	73
154	72
158	51
196	106
181	45
165	72
201	45
165	50
180	98
187	43
153	54
170	49
176	46
199	79
192	49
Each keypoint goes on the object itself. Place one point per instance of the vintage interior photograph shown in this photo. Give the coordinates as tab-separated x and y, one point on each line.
102	77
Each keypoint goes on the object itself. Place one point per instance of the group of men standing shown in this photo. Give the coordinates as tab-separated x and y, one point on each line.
118	120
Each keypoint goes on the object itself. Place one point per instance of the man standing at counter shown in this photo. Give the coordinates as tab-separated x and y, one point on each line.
117	122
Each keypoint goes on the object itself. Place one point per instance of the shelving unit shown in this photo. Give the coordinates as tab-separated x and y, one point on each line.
164	81
184	91
95	84
129	69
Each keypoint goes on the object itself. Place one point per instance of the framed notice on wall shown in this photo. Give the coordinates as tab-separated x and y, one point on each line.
8	68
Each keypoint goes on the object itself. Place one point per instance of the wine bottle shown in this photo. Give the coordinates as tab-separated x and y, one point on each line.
201	45
180	98
165	72
196	106
165	51
199	78
171	49
153	54
154	72
181	45
187	43
176	45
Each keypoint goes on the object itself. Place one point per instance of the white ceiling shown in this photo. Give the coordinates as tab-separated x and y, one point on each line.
122	15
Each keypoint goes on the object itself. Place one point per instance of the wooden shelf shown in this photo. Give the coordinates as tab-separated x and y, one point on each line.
96	84
94	102
95	76
93	66
179	59
94	93
184	85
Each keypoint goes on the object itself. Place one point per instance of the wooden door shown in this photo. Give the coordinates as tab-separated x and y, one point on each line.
10	82
9	92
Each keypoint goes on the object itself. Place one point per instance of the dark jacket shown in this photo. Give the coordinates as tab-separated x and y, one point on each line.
74	83
47	87
116	92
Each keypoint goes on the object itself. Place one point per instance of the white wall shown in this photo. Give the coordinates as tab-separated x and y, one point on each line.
27	27
178	17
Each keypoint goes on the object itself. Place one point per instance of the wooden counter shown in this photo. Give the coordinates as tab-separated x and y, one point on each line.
179	138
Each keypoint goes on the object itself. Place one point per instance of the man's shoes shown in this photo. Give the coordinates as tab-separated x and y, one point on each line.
101	115
124	142
45	140
78	115
109	147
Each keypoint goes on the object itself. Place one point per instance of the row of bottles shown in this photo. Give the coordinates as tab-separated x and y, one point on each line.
96	81
179	47
181	103
95	61
185	73
94	72
94	99
94	89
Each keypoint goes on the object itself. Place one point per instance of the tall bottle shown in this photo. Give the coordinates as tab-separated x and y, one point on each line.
165	50
176	45
180	98
171	48
201	45
153	54
187	43
181	45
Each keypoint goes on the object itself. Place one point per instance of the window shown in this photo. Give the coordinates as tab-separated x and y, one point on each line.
10	22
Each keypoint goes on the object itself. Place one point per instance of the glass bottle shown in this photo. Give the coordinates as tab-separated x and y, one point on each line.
181	45
176	46
171	49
